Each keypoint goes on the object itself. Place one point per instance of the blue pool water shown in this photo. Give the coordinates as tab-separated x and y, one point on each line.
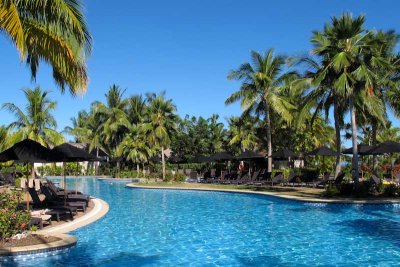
188	228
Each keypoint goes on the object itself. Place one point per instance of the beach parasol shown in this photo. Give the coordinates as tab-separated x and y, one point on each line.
70	153
28	151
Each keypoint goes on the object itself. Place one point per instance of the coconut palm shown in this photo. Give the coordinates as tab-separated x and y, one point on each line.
261	91
136	109
161	123
36	122
135	148
51	31
113	119
347	50
4	138
242	132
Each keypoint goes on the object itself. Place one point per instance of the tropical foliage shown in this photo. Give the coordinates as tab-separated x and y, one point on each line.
51	31
36	121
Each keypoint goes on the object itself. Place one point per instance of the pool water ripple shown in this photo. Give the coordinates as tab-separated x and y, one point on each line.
147	227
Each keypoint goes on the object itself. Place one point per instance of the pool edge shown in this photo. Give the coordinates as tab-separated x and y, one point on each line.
295	198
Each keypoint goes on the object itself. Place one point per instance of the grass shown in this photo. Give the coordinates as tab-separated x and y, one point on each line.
289	191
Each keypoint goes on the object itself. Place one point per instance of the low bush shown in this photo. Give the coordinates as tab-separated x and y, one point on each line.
390	190
331	191
12	220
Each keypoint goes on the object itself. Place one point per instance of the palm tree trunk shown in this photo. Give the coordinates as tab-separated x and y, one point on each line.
374	157
97	163
137	170
269	138
338	166
354	161
163	163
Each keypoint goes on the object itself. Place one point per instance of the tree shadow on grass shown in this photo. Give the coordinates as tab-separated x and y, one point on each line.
386	230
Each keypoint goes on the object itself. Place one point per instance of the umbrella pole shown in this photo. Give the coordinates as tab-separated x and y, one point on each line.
65	185
26	187
76	178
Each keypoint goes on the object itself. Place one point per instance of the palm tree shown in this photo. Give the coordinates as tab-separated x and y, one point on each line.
4	136
113	119
87	128
261	91
242	132
348	51
161	123
35	122
135	148
136	109
51	31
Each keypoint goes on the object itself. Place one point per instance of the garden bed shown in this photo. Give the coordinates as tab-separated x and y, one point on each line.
29	240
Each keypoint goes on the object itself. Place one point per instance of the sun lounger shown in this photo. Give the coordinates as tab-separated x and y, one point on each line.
72	197
60	191
55	200
293	178
55	209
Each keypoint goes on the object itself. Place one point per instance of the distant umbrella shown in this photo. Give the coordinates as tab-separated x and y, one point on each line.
249	154
284	153
201	159
388	147
385	148
175	159
155	159
221	156
323	151
116	159
363	149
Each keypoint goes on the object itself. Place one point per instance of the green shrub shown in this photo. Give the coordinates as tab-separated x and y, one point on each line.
390	190
346	189
179	177
364	189
12	220
331	191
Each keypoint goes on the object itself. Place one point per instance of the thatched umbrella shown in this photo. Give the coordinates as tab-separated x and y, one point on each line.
250	155
70	153
388	147
28	151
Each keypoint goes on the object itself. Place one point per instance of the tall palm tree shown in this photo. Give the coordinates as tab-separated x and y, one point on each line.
319	97
161	123
51	31
347	50
261	91
35	122
114	121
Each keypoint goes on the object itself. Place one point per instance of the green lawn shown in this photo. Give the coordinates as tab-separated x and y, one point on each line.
290	191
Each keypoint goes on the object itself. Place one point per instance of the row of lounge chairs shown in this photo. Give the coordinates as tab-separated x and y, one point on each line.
54	203
262	177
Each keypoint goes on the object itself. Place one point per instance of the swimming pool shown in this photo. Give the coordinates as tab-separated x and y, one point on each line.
147	227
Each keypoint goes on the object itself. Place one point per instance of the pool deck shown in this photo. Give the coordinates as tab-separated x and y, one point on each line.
274	194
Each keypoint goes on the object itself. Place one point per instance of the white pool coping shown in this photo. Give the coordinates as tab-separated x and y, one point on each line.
99	210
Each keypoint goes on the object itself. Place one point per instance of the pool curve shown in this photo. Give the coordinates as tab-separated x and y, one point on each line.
147	227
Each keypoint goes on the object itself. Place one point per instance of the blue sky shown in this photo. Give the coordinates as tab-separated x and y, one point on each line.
184	47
